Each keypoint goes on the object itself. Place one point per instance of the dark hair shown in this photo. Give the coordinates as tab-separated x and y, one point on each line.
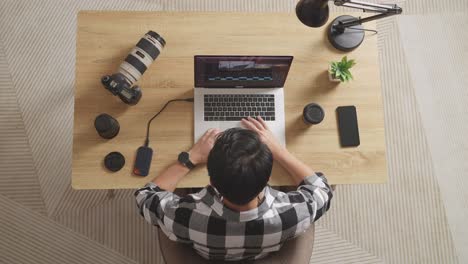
239	165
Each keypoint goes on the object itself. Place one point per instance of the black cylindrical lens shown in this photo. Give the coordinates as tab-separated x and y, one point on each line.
106	126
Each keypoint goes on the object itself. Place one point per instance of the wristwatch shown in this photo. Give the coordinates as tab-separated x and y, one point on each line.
184	159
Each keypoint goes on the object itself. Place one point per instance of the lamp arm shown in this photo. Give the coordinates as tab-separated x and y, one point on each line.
384	10
366	5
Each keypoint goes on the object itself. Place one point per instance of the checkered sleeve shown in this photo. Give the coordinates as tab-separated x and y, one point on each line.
317	194
157	206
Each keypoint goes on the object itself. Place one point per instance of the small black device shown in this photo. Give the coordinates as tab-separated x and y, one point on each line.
106	126
130	71
348	126
184	159
114	161
143	161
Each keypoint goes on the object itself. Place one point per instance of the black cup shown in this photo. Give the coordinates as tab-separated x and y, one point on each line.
106	126
313	114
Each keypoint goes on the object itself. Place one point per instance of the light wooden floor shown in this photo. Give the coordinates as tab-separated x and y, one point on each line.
42	220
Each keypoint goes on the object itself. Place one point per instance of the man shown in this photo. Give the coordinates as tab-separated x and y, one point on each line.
238	216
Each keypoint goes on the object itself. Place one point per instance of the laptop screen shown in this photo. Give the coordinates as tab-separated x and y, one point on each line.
241	71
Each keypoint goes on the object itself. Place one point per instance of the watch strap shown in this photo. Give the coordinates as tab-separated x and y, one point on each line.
189	164
186	162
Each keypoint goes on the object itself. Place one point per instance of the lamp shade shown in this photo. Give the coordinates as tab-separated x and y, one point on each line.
312	13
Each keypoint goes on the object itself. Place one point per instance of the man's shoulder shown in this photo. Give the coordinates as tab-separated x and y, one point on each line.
200	200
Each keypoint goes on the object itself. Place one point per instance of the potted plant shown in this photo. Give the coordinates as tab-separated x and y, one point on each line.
338	71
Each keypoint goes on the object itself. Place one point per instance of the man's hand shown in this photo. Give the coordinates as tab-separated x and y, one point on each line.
259	125
201	149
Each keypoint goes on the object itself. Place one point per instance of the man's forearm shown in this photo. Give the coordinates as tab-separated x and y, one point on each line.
169	178
296	168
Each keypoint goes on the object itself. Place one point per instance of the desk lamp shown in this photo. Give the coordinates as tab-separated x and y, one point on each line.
345	32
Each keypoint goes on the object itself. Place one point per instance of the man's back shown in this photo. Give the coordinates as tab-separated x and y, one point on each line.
217	232
238	216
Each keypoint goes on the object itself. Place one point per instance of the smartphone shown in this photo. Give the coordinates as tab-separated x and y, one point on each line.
348	126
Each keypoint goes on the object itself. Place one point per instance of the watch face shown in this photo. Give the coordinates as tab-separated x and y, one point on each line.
184	157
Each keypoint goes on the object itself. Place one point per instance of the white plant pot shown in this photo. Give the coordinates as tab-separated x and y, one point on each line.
330	76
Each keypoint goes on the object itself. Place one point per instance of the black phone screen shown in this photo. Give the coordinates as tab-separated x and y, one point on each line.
348	126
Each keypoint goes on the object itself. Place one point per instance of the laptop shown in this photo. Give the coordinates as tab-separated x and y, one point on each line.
229	88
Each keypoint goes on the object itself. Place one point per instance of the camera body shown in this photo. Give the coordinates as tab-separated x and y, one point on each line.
132	68
118	85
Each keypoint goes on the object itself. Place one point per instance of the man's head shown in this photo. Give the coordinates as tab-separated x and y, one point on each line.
239	165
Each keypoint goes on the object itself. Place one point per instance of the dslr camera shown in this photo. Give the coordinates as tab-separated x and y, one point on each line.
130	71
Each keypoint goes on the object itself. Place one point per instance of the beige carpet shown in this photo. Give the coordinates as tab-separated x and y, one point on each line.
442	97
42	220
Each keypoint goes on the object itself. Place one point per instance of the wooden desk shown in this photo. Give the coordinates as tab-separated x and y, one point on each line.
105	38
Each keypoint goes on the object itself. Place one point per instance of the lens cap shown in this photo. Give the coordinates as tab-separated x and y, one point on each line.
114	161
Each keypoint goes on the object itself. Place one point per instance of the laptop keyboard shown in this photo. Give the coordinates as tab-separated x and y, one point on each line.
234	107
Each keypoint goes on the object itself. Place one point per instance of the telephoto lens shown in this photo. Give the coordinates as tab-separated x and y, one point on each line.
135	64
142	56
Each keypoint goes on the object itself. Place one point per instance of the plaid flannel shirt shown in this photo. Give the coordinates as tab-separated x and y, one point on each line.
220	233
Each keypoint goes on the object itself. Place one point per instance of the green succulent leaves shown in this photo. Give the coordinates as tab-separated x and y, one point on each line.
340	69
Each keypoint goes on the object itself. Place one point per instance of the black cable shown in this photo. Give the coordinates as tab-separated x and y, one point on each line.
363	29
162	109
